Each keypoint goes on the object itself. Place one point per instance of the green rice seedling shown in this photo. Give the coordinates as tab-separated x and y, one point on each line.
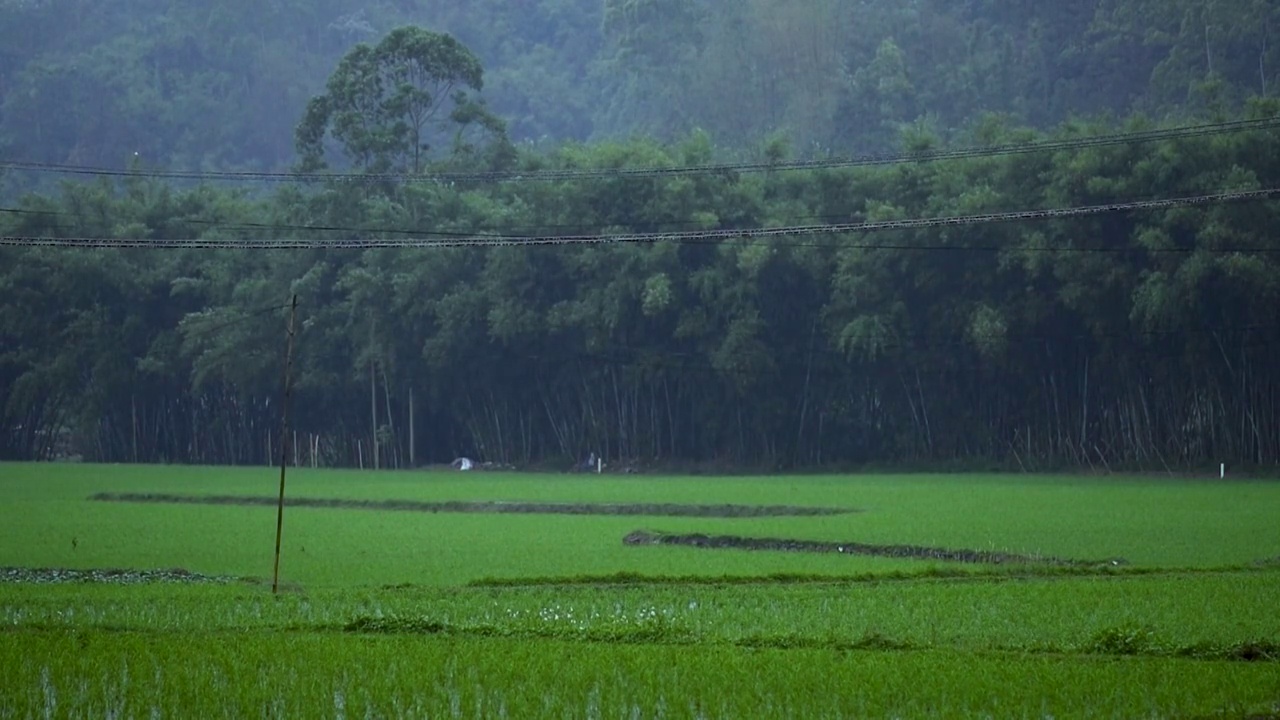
390	611
309	674
1147	522
1198	614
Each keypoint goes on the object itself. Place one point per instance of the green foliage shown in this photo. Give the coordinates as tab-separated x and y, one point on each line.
222	85
1118	340
1124	641
389	104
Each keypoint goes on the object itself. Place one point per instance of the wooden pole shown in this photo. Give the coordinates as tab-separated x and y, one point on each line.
133	404
373	397
373	406
284	440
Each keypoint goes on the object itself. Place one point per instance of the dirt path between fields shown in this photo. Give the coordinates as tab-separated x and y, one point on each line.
645	537
653	509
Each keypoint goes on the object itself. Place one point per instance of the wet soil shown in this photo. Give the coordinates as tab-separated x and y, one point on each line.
652	509
645	537
114	576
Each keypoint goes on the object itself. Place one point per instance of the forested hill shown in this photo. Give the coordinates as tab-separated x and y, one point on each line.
219	84
1020	288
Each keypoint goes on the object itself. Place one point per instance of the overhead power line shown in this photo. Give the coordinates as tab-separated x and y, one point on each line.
542	229
478	230
261	226
245	316
601	173
679	237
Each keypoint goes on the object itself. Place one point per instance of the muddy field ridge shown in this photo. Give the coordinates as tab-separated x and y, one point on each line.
488	506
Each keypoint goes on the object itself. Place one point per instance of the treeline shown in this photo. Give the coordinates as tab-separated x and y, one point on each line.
1120	339
220	84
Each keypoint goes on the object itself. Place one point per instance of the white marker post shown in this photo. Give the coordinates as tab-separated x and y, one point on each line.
1222	471
599	465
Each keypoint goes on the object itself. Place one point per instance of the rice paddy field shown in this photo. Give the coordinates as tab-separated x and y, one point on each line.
145	591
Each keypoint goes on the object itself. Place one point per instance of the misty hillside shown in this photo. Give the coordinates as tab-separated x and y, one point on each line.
222	84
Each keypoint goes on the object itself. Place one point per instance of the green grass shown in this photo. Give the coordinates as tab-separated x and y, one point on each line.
446	615
1150	522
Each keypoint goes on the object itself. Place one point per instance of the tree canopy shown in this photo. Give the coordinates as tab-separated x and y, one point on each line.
532	331
223	84
1141	338
385	104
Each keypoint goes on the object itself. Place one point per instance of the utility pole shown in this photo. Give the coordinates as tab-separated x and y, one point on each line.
373	411
373	399
284	438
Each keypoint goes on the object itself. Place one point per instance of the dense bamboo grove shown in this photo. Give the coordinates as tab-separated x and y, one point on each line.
1142	338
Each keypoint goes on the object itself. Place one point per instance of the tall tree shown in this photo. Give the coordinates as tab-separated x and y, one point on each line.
390	105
